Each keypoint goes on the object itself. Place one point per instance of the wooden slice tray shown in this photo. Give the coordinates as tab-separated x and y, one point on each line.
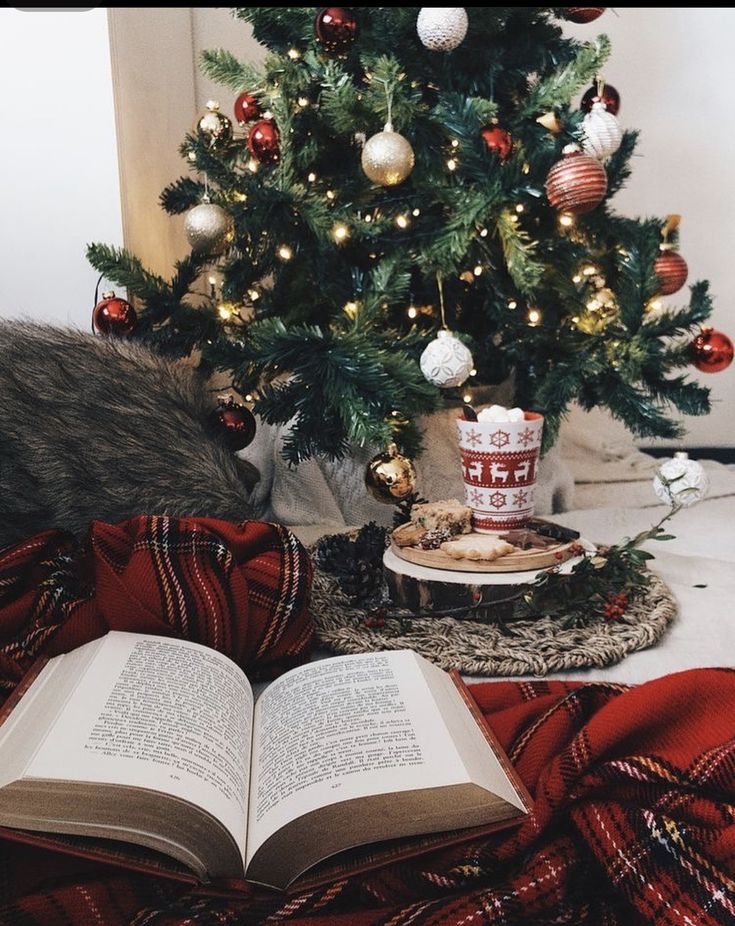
521	561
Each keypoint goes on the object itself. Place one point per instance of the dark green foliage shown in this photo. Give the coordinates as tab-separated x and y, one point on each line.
323	338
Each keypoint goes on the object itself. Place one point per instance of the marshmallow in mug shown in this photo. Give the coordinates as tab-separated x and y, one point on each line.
500	413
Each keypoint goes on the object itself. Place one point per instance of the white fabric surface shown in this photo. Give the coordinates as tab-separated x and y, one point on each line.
332	493
600	481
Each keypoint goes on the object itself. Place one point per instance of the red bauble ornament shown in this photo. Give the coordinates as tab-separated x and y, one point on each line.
672	271
583	14
577	183
246	108
497	139
335	28
264	143
711	351
114	316
609	96
232	423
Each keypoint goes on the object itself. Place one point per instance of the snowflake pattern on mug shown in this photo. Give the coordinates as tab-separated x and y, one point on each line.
520	499
525	437
499	439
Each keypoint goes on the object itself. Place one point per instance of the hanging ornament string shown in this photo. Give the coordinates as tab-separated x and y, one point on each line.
440	287
96	299
388	103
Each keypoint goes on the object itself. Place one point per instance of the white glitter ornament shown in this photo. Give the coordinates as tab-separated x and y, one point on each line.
680	481
602	132
387	158
446	362
442	28
209	228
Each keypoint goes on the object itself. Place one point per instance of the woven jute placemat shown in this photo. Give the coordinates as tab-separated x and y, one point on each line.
535	647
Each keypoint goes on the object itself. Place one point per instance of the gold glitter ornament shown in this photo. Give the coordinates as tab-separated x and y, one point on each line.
387	158
390	477
209	228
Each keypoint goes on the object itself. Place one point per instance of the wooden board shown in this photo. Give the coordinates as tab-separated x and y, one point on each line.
521	561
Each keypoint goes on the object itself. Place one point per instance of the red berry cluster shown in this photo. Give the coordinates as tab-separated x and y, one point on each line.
376	618
616	606
576	549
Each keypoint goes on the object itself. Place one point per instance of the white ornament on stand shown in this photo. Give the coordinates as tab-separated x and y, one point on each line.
681	481
602	132
442	28
446	361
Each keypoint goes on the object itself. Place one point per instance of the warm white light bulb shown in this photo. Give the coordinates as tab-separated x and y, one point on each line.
340	233
285	252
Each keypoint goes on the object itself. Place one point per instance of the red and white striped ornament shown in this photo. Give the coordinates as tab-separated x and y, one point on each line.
671	270
577	183
583	14
602	132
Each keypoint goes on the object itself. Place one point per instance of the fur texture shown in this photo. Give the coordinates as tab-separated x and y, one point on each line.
92	428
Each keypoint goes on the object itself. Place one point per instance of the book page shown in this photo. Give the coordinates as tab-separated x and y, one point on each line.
167	715
344	728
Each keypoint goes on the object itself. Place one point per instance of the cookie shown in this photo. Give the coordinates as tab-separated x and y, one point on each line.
407	535
477	547
449	515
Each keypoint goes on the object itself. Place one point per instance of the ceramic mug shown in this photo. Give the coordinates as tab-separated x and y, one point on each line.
499	466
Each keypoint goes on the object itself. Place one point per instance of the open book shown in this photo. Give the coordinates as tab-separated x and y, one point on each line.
159	745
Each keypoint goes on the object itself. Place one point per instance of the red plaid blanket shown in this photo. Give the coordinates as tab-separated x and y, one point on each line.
634	822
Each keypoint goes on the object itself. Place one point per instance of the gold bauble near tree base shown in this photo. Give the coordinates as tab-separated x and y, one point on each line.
390	477
387	157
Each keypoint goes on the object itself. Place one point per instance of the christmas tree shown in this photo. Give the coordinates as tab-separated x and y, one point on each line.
399	172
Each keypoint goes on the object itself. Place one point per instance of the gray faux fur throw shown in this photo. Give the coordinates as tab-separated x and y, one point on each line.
92	428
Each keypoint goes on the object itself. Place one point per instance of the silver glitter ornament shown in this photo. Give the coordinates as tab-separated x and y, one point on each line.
209	228
442	28
387	158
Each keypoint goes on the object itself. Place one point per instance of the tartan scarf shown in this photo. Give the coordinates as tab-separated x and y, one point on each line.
242	589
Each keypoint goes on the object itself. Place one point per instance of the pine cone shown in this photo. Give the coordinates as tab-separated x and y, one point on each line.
356	565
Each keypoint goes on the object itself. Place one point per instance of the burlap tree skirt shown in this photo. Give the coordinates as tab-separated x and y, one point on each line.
535	647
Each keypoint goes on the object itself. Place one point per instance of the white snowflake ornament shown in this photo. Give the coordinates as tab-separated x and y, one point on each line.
442	28
602	132
446	362
680	481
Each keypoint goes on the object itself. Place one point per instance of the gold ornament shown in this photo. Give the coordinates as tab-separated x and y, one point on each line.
550	122
213	128
387	157
390	477
209	228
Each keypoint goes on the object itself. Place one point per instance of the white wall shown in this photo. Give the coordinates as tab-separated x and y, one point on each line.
58	161
675	71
